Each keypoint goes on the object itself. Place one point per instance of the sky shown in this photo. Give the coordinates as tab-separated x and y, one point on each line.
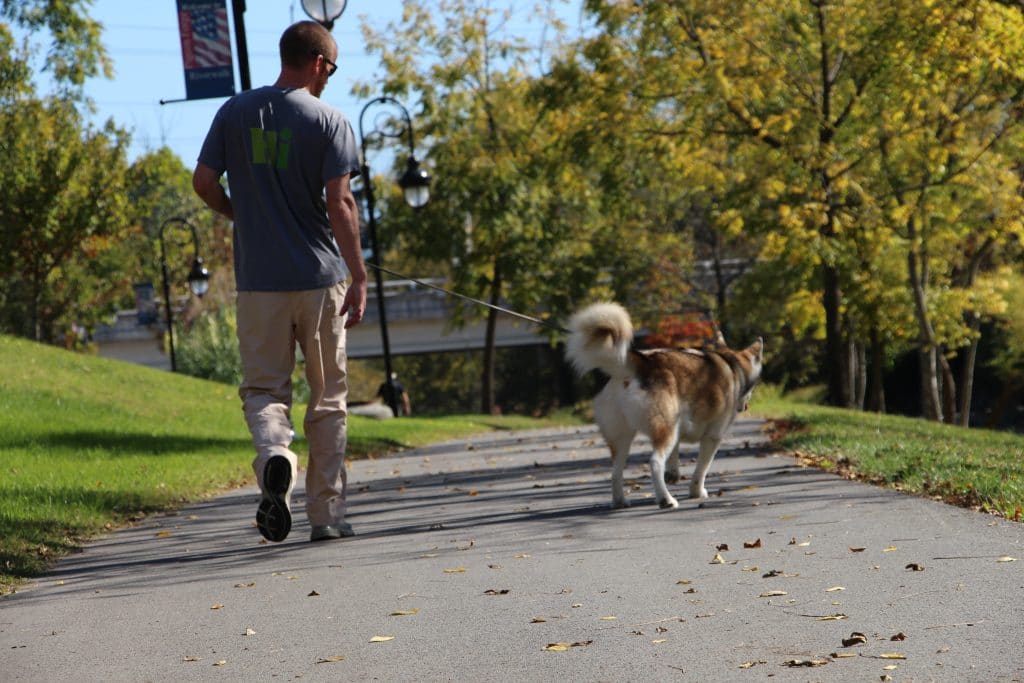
146	52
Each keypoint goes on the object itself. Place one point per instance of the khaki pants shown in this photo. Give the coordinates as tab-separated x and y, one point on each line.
269	325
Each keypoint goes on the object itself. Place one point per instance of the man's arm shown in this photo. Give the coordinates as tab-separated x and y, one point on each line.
206	183
344	217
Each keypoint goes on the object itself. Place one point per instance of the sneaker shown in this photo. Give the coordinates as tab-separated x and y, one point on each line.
273	518
331	532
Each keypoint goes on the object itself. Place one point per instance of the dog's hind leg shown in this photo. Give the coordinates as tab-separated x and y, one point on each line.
708	448
672	466
665	499
620	454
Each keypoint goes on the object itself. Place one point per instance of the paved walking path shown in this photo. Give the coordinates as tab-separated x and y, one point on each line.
473	557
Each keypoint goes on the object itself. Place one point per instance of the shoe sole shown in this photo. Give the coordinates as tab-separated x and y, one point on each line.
273	518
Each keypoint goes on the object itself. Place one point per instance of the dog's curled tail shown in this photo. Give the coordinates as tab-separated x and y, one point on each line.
599	337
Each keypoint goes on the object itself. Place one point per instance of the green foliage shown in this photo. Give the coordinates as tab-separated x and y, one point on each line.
62	209
209	349
75	51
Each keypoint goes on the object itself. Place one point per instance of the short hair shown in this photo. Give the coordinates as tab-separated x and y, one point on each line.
302	42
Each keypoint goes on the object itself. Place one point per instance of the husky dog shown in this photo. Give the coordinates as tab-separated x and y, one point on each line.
670	395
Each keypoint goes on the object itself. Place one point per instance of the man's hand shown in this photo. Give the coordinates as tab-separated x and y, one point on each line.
355	303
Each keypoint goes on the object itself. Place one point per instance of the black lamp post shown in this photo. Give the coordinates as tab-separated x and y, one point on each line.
415	184
325	12
198	280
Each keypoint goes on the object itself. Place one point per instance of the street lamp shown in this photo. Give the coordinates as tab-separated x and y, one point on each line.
415	184
198	280
325	12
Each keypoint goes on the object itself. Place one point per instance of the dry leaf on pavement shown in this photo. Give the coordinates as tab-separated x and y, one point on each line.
331	659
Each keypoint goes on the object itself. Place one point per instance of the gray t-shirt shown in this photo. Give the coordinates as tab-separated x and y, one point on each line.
279	148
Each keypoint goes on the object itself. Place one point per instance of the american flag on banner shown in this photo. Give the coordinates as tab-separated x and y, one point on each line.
205	40
205	48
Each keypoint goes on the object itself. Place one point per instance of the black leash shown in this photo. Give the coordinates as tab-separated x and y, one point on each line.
537	321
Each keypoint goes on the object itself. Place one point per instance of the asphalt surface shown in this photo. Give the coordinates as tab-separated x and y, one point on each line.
497	558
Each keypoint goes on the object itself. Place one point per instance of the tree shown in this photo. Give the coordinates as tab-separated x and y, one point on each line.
510	220
801	96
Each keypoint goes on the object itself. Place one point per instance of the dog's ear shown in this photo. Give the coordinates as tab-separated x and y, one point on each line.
719	337
757	349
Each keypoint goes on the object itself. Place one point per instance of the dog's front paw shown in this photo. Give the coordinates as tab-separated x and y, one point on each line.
620	504
669	502
698	492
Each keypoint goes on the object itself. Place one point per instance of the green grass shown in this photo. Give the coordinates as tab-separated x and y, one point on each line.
88	444
975	468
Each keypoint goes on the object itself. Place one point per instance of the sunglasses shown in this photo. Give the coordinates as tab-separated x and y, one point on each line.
331	66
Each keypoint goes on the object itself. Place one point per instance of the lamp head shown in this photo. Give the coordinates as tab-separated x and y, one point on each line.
415	184
324	12
199	278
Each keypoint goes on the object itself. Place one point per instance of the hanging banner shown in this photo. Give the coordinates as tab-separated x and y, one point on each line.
206	48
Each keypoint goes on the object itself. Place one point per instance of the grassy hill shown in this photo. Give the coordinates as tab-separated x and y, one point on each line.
88	444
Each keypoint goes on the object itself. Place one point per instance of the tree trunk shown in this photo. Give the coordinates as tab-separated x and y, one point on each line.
970	357
917	273
876	390
487	378
860	374
948	389
836	351
930	404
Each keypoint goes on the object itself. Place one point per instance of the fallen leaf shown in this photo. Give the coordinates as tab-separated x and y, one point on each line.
217	606
381	639
890	667
249	632
405	612
890	549
914	566
750	665
683	582
163	534
772	594
805	662
832	617
717	559
473	493
577	604
562	647
833	589
245	585
189	658
659	641
221	662
722	547
856	638
329	660
752	544
892	655
885	678
455	570
751	569
608	618
538	620
1006	558
899	636
521	557
857	550
491	591
312	594
843	655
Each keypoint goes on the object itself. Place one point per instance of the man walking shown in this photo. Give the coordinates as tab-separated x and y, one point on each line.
289	158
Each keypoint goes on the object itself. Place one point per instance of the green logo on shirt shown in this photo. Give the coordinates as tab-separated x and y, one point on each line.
270	146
